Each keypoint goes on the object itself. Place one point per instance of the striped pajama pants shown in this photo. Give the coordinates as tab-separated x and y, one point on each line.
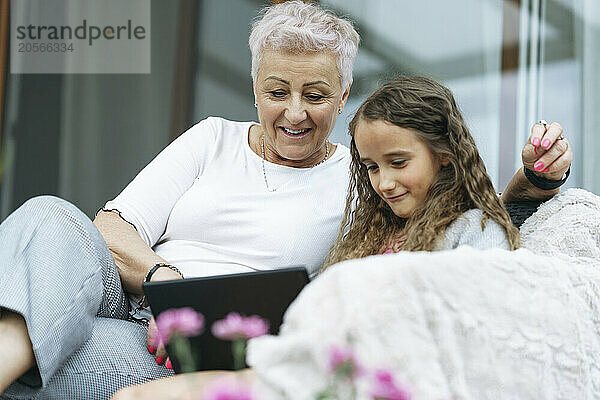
56	271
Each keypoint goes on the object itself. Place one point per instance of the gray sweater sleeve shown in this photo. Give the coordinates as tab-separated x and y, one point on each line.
466	231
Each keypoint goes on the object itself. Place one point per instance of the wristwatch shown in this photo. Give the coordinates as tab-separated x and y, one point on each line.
543	183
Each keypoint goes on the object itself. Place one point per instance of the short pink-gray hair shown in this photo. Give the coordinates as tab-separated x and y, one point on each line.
298	26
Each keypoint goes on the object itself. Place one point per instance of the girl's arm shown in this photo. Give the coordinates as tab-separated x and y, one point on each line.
466	231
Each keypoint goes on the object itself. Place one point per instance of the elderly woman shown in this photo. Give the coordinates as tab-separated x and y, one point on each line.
224	197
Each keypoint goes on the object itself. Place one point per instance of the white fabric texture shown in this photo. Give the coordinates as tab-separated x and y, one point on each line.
466	231
203	205
456	324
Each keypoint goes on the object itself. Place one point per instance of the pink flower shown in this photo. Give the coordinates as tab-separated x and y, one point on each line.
343	362
227	389
182	321
385	388
234	327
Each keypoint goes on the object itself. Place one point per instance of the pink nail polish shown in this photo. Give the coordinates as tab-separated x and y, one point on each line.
151	349
546	143
169	365
536	141
159	360
538	166
547	169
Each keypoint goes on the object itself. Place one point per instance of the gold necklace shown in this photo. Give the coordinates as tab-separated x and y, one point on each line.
262	153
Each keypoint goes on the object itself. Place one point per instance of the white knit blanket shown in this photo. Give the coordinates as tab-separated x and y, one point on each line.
458	324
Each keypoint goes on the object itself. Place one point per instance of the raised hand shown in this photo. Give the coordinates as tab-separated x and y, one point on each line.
547	152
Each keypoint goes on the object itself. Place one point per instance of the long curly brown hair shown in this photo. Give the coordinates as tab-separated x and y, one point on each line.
430	111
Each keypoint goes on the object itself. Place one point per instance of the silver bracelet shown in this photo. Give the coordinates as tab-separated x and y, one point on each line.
160	265
151	272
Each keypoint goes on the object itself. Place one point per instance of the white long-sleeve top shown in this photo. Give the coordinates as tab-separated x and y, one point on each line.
202	204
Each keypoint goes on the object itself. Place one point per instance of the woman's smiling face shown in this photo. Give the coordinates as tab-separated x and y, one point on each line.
298	96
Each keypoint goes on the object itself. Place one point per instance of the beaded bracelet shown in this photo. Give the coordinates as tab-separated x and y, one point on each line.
151	272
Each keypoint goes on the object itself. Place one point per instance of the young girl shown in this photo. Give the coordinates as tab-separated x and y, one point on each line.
418	182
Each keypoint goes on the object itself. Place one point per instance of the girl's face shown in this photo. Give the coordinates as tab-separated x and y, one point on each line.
401	167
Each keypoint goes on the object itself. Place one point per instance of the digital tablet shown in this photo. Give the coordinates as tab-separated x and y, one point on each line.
264	293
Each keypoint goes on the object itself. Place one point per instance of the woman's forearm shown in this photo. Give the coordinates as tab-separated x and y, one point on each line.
132	255
520	189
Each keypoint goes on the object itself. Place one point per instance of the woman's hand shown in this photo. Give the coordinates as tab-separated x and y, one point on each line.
548	156
134	258
155	345
547	153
